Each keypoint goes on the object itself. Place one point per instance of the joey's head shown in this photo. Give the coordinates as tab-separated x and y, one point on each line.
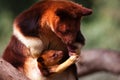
51	57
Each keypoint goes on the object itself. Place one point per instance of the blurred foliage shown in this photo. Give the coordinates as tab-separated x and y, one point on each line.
8	11
101	29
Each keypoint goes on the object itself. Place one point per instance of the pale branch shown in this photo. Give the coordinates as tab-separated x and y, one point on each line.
8	72
98	60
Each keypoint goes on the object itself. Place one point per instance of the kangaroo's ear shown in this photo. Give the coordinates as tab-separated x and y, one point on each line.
73	12
28	23
65	13
85	11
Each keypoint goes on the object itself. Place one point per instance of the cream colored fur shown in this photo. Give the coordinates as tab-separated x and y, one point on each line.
34	44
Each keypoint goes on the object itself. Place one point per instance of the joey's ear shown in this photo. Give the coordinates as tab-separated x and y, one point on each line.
40	59
28	23
85	11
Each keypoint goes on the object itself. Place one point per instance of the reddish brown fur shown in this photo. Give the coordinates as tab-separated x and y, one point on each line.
16	52
55	22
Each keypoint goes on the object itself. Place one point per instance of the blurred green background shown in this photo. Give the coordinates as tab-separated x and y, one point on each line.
101	29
